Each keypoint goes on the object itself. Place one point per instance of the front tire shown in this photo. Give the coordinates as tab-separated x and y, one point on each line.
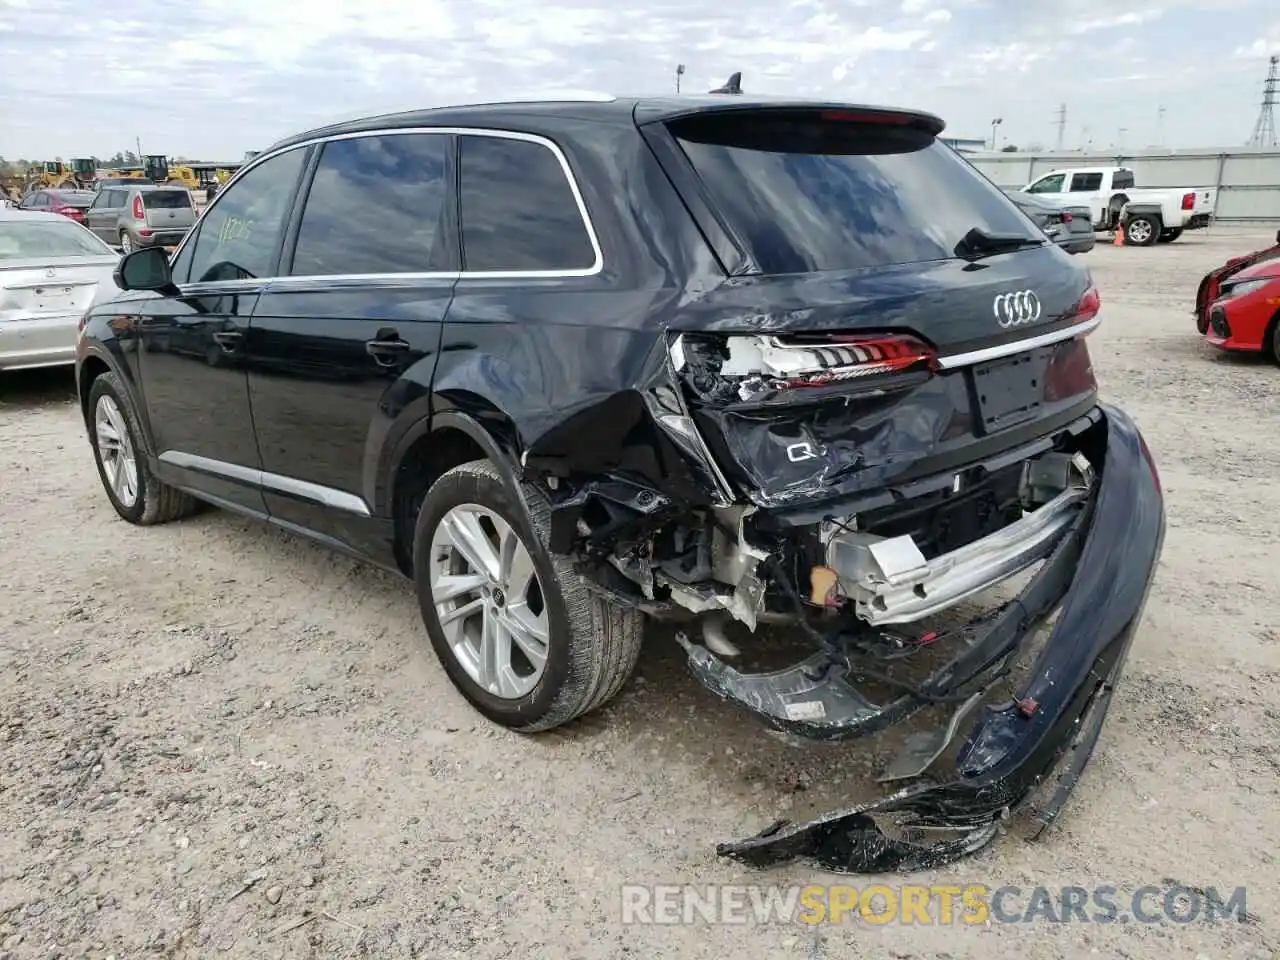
115	435
517	628
1170	235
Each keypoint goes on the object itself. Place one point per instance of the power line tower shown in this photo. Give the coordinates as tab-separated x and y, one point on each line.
1264	131
1062	124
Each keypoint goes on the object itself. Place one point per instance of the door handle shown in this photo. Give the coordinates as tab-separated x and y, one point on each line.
228	340
387	352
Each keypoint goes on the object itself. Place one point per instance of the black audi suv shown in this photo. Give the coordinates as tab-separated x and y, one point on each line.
569	365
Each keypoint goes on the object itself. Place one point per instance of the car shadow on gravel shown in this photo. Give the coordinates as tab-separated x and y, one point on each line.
41	387
663	720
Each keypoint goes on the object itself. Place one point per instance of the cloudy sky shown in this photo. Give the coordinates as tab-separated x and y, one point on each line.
212	80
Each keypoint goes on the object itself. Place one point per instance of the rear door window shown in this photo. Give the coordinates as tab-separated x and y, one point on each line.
518	211
376	205
808	191
1085	182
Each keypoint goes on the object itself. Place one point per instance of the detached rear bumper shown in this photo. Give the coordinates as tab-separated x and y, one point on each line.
1098	578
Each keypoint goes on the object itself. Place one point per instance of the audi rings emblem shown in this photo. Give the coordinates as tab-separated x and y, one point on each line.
1015	309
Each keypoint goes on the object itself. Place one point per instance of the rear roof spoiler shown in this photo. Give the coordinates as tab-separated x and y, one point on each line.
665	110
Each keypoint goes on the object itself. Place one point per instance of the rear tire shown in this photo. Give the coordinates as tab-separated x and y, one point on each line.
126	243
586	646
115	434
1168	236
1141	231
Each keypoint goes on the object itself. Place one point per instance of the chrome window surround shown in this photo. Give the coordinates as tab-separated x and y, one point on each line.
327	280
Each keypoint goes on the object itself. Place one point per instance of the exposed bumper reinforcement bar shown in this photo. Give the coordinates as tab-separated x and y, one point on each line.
1098	577
890	581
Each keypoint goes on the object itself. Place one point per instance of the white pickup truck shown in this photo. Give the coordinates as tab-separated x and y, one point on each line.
1149	216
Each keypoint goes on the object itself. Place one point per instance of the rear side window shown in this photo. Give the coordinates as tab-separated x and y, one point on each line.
518	210
375	206
166	199
809	193
1122	180
1084	182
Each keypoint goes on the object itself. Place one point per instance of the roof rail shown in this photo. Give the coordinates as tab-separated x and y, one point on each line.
547	96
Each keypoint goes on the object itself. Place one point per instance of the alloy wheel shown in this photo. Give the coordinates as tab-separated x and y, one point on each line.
489	601
1139	231
115	451
126	245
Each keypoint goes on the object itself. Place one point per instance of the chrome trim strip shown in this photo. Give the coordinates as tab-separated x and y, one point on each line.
596	267
1017	346
273	482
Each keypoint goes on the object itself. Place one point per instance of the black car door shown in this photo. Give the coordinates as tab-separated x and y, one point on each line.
193	344
348	336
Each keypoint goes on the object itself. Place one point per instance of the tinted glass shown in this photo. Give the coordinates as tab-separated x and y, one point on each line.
1122	180
517	209
374	206
241	231
812	194
166	199
22	241
1086	181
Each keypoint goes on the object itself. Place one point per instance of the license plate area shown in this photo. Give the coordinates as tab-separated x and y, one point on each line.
1011	390
53	299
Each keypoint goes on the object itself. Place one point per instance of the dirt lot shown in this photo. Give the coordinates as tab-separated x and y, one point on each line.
190	710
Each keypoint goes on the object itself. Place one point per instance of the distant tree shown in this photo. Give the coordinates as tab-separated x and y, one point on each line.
130	159
1009	148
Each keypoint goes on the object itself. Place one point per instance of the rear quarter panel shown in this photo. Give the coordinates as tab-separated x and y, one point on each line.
560	365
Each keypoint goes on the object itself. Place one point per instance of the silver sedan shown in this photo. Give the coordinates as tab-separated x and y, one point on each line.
51	271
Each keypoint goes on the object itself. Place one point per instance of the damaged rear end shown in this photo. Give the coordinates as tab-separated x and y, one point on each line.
890	401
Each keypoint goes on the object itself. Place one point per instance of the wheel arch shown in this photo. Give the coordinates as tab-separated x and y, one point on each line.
1269	335
458	429
102	357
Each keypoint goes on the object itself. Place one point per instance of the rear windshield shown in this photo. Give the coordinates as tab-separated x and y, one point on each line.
47	239
807	192
166	199
73	198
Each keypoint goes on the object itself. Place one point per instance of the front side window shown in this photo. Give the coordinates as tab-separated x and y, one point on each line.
375	206
517	210
240	234
1048	184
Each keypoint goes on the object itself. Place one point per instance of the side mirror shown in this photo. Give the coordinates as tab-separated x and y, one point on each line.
145	269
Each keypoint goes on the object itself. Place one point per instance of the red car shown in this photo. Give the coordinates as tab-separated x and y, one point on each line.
1238	304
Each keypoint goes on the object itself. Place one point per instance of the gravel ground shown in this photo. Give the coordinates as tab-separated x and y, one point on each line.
211	732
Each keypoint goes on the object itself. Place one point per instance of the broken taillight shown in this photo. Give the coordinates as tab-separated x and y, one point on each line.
750	367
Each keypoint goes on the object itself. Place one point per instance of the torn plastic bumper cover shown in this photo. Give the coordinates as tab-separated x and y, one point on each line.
1097	577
